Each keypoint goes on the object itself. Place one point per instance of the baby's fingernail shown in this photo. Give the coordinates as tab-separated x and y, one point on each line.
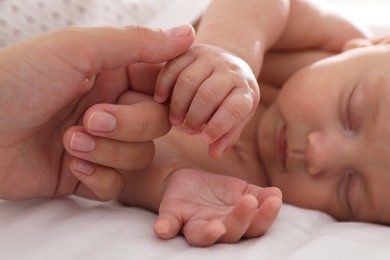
174	120
101	121
82	142
84	167
158	99
206	138
250	205
179	31
276	204
189	130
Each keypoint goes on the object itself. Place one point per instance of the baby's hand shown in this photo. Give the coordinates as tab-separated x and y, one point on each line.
209	208
212	92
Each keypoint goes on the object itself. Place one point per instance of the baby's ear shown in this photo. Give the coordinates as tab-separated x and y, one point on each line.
357	43
381	40
360	42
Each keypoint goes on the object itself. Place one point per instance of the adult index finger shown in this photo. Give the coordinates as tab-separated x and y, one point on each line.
137	118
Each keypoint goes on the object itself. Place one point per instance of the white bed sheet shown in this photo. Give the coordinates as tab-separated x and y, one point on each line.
75	228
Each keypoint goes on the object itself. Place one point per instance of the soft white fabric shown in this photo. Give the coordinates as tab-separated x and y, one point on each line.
374	13
21	19
74	228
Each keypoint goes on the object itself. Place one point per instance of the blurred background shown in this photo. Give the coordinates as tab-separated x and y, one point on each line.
21	19
375	13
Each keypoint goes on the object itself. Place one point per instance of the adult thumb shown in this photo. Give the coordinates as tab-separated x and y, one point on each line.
157	45
118	47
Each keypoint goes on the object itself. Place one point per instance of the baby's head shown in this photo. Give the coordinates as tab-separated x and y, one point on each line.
325	142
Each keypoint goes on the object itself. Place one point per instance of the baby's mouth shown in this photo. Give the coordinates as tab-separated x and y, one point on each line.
282	146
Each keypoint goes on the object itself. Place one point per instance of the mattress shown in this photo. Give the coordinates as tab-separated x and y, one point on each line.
76	228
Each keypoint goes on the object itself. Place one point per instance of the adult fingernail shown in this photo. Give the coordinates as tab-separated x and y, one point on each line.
179	31
82	142
101	121
84	167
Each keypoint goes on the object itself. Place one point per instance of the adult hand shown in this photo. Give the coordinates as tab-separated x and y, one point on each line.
48	82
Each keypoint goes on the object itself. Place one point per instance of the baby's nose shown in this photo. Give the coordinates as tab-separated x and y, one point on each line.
322	152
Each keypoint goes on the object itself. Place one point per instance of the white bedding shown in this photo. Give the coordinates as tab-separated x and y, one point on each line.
74	228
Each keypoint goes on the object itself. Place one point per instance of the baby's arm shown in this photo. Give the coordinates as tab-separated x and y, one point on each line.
314	25
214	87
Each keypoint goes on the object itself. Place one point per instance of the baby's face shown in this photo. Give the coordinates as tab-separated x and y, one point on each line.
325	142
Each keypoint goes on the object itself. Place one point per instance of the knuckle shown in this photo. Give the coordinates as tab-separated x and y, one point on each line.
215	129
84	49
240	108
186	80
209	95
141	31
254	91
198	48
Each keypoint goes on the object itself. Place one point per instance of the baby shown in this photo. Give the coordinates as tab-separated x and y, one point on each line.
318	135
323	142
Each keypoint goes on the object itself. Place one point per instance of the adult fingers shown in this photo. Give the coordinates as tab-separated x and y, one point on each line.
143	77
62	65
96	182
138	118
109	48
108	152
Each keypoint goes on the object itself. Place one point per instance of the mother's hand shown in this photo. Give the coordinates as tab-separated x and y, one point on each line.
48	82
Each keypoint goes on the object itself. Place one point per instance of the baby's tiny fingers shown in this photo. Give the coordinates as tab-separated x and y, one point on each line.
206	101
186	87
236	107
264	217
167	78
228	140
167	226
201	232
238	220
108	152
